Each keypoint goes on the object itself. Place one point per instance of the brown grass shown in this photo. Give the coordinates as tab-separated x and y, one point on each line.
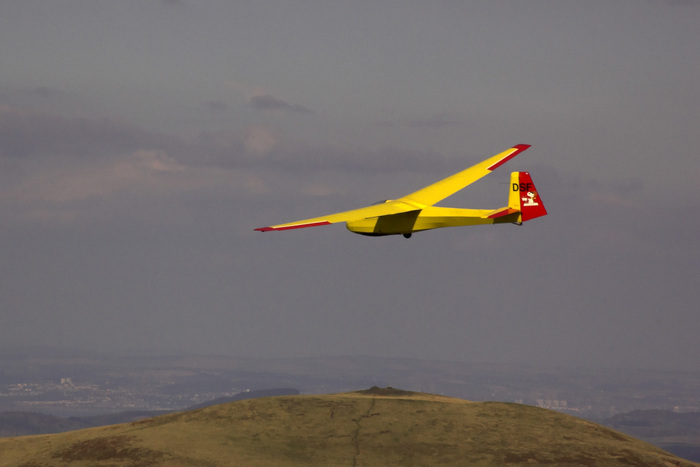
377	427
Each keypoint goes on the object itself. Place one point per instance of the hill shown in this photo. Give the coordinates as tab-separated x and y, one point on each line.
377	427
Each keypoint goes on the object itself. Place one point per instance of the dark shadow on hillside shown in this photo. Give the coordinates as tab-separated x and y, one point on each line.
387	391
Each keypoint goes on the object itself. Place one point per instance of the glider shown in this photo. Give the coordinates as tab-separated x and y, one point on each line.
416	212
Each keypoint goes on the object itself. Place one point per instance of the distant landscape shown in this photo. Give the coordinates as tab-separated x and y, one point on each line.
49	390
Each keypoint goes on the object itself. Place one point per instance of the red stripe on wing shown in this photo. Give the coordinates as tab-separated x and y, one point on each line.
295	226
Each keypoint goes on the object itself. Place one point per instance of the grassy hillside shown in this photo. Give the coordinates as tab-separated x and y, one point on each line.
378	427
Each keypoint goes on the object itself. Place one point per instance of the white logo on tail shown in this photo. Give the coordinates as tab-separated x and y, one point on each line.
530	200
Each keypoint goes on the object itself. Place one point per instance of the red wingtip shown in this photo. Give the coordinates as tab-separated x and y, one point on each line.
294	226
518	149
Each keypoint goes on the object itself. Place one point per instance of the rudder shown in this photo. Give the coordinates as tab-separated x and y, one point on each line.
524	197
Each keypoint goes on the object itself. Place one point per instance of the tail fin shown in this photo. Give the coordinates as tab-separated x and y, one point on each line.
524	197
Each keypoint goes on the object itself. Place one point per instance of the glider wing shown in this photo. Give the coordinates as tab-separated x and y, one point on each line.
383	209
438	191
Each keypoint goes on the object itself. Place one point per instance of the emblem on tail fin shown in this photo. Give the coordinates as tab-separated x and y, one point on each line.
530	200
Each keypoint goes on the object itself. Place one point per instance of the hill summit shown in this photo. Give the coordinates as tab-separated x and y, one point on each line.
375	427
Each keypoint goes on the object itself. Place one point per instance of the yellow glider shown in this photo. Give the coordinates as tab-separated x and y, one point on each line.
415	212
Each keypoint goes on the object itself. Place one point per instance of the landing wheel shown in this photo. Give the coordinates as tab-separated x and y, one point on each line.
408	235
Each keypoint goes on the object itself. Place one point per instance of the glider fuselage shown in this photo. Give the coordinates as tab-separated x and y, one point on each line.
430	217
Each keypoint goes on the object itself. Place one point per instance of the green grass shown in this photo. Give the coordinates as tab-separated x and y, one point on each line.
378	427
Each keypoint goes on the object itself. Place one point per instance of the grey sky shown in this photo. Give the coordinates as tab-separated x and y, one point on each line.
142	142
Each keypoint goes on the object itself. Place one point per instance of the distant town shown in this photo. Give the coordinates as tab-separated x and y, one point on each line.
67	397
74	384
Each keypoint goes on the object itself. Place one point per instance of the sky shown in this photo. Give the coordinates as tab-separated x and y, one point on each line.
141	142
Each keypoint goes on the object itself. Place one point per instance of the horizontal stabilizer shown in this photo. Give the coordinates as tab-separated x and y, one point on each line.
502	212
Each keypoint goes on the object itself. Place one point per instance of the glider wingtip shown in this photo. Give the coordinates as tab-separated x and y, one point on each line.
292	226
510	153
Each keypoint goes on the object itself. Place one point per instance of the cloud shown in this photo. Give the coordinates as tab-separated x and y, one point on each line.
216	106
59	169
437	121
260	140
683	2
260	99
74	189
157	161
267	147
268	102
44	92
28	134
69	182
24	133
